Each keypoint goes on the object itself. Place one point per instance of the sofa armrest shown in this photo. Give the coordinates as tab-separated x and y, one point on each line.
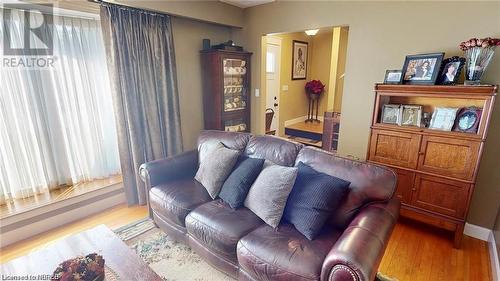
164	170
160	171
357	253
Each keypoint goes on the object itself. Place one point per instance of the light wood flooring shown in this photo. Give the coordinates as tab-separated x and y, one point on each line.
415	252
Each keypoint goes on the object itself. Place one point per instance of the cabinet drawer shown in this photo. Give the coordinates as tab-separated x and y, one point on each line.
405	185
394	148
440	195
448	157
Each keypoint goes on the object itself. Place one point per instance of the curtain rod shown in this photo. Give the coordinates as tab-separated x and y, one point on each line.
150	11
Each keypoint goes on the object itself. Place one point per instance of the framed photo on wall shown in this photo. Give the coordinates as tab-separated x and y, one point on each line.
422	69
299	60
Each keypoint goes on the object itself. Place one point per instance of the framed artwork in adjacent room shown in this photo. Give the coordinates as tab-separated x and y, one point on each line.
299	60
422	69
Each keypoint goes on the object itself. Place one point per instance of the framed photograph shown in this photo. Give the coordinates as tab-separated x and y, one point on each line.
443	118
468	120
299	60
391	114
411	115
393	76
422	69
450	70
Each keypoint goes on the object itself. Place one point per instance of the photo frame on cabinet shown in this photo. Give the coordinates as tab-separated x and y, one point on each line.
411	115
468	119
443	118
450	70
393	76
422	69
391	114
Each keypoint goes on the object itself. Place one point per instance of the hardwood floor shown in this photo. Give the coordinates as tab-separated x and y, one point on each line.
113	218
415	252
419	252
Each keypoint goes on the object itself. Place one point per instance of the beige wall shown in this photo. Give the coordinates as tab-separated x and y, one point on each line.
209	11
381	34
293	103
321	52
187	43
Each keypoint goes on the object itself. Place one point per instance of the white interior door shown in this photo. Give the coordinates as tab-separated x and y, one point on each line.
273	62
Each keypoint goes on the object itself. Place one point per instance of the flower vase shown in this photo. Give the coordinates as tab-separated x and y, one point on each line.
477	60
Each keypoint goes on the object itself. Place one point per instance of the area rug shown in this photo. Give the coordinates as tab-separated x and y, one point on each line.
173	261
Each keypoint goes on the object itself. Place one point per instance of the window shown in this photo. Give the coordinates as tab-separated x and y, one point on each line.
270	62
56	123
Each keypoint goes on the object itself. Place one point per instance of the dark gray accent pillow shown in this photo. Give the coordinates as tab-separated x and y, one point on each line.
215	167
268	194
314	197
236	187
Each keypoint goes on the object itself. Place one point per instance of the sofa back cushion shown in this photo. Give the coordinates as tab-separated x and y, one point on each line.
209	139
274	149
369	182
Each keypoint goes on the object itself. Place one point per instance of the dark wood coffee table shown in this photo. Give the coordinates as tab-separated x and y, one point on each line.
118	256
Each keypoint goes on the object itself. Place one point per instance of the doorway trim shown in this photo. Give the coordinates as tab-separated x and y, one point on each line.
273	40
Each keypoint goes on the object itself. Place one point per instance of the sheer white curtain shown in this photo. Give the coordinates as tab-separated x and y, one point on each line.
57	124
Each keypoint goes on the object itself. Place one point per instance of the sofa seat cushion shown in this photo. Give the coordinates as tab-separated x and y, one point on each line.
284	253
176	199
219	227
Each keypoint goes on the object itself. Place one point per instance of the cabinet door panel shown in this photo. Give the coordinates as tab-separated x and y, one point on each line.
440	195
394	148
448	157
405	185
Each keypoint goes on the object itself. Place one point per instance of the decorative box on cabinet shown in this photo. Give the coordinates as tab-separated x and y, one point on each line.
226	89
436	169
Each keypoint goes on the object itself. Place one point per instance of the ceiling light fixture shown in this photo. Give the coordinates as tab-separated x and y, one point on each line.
312	32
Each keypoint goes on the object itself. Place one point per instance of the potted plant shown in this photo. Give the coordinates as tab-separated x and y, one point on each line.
478	54
314	89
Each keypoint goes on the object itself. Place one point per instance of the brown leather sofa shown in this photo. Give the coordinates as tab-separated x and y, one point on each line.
240	244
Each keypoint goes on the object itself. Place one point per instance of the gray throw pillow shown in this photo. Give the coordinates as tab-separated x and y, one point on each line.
268	195
215	168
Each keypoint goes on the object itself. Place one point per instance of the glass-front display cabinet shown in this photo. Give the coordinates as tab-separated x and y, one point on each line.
226	90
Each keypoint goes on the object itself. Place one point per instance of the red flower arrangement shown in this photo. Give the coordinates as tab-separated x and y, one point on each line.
314	87
483	43
88	268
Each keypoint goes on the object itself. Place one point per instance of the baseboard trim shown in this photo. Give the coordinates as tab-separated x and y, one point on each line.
300	119
495	263
477	232
486	234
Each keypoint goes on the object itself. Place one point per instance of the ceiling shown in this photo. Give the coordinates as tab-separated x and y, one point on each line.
246	3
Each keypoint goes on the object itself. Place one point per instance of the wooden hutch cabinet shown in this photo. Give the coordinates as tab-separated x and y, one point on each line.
436	169
226	90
